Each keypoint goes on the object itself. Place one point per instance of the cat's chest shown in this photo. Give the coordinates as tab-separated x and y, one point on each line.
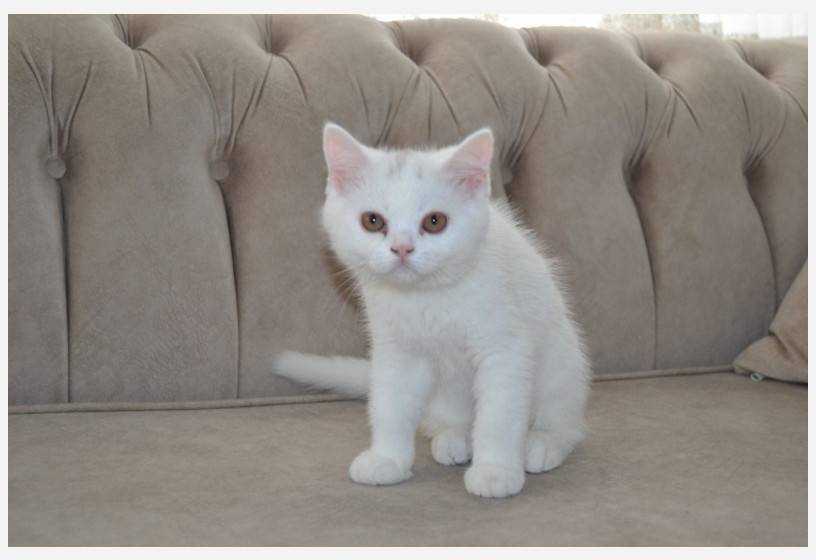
425	321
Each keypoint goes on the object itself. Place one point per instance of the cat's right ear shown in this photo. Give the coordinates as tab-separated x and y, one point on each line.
346	158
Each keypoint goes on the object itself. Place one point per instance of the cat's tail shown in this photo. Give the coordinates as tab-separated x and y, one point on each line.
347	376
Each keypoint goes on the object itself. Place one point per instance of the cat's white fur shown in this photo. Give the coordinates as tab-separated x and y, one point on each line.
471	338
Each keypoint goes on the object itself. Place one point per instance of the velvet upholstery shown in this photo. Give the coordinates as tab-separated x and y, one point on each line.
165	180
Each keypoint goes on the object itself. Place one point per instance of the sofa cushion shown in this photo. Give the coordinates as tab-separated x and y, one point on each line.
712	459
783	354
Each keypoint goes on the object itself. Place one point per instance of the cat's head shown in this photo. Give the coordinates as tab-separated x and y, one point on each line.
407	217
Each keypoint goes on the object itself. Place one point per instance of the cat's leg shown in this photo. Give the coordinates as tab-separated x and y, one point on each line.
448	421
400	385
561	390
502	391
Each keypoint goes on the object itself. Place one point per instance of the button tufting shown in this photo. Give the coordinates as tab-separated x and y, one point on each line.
55	167
219	169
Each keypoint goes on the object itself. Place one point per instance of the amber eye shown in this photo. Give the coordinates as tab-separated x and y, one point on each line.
373	222
434	222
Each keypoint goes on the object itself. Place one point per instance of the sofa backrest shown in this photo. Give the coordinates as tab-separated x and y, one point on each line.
165	177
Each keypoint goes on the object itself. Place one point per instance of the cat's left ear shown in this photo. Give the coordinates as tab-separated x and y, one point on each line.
469	165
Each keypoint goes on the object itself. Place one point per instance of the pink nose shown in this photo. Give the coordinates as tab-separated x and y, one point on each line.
402	250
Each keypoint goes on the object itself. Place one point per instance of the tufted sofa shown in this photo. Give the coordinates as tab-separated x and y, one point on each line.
165	176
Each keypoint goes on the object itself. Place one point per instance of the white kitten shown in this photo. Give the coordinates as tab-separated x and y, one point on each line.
470	335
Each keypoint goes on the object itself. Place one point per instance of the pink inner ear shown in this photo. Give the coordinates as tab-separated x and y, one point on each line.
345	158
470	163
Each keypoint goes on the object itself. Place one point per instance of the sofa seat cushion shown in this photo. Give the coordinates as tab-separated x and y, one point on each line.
715	459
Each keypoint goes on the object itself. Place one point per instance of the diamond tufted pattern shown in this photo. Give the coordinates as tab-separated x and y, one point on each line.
165	176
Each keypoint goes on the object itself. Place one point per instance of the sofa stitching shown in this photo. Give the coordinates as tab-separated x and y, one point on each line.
54	151
631	181
219	170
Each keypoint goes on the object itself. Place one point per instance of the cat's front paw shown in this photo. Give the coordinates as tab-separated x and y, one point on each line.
451	448
377	470
494	481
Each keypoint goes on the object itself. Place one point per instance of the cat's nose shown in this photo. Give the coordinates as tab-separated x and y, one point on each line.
402	250
402	244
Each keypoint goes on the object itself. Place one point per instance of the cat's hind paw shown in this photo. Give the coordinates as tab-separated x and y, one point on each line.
494	481
544	452
451	448
371	468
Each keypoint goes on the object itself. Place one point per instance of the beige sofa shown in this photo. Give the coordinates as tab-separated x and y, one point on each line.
165	176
